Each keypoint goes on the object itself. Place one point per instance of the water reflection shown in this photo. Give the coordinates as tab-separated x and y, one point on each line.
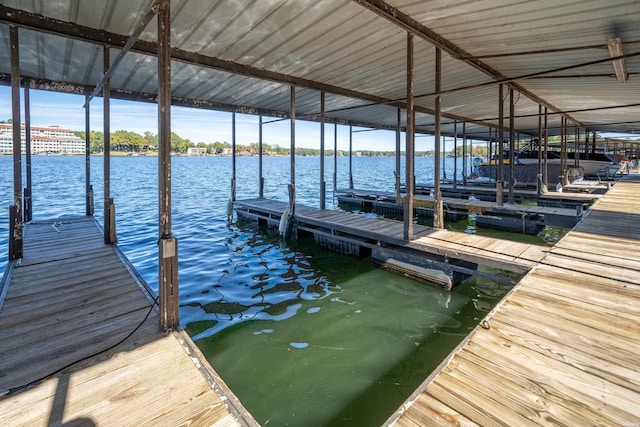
325	338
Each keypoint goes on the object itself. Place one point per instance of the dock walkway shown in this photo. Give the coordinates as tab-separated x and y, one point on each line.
71	298
562	348
562	217
503	254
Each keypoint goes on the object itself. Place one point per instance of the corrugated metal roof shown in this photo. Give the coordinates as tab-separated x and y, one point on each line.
352	51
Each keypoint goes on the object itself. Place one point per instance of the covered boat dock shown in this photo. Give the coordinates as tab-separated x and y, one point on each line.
469	71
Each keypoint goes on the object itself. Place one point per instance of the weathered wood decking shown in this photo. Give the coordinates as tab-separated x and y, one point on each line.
562	348
498	253
72	297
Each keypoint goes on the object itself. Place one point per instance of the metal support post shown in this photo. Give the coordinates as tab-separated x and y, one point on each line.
87	159
233	156
512	148
323	187
28	204
260	176
438	215
500	149
168	245
108	201
292	185
15	211
409	161
350	157
397	172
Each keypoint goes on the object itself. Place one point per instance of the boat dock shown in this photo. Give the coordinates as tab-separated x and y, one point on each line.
562	347
345	228
81	343
459	207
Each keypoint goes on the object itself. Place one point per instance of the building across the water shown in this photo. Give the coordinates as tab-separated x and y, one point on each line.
44	140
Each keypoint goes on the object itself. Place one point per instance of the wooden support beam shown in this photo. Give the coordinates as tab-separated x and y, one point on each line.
168	244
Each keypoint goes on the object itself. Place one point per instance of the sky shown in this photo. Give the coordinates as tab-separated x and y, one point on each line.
197	125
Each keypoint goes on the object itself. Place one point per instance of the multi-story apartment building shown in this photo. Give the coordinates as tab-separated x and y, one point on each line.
44	140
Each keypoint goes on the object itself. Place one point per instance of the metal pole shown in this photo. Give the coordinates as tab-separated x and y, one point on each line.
455	154
512	148
500	167
444	156
438	217
292	186
323	187
576	153
546	149
168	244
399	122
87	159
233	156
409	161
335	156
539	181
260	177
15	211
108	201
28	204
464	153
350	157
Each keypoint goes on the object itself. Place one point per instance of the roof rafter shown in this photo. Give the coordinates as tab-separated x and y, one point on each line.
56	27
409	24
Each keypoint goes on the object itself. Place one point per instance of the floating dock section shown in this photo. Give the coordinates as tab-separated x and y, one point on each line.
509	216
80	342
353	233
562	348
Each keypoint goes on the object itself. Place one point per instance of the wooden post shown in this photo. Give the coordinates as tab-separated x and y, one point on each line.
409	160
260	177
28	203
350	157
512	148
292	185
15	211
500	149
108	201
438	216
89	209
168	245
323	187
233	156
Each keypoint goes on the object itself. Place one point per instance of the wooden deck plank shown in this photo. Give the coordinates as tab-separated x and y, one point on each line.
562	348
74	298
